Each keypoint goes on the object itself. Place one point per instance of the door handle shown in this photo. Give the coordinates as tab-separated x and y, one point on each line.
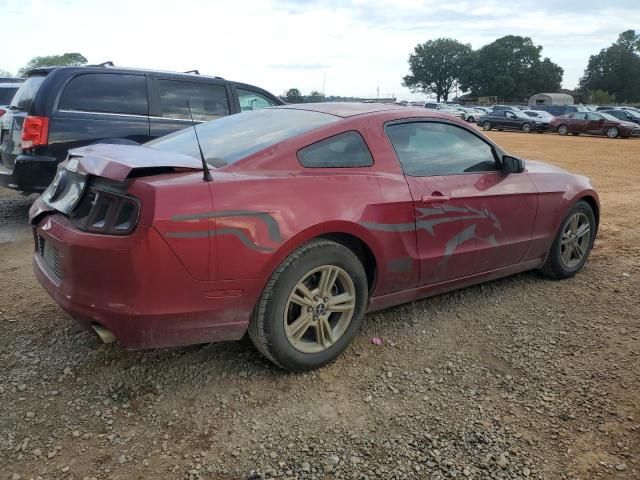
435	197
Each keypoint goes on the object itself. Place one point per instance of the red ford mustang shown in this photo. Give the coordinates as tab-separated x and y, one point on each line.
314	215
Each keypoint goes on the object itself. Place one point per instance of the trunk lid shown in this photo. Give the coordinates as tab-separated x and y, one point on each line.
118	162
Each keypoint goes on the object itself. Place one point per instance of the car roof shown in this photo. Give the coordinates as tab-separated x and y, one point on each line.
346	109
117	69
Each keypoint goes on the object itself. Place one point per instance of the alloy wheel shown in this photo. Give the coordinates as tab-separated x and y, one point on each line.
575	240
526	128
563	130
486	126
319	309
612	132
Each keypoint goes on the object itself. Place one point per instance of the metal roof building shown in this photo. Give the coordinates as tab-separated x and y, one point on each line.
551	99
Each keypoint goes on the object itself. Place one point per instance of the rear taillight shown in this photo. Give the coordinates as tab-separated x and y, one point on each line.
2	111
103	211
35	132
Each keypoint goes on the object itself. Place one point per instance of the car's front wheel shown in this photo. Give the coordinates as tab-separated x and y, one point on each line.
486	126
311	308
612	132
572	244
563	129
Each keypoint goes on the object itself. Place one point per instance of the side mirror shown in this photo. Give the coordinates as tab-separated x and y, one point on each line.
512	164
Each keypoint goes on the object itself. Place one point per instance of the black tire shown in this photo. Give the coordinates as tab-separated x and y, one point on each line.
563	129
471	119
612	132
267	330
527	128
554	267
486	126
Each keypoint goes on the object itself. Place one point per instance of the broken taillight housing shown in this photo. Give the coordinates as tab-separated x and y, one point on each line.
106	211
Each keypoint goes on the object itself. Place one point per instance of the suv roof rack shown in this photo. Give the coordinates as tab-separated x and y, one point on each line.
108	63
192	71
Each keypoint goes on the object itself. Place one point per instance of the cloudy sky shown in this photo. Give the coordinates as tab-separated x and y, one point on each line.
354	47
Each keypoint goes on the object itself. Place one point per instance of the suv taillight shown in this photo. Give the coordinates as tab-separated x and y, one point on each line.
2	111
103	211
35	132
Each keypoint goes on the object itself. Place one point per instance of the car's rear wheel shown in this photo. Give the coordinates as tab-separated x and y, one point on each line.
572	244
486	126
563	129
612	132
471	119
311	308
526	128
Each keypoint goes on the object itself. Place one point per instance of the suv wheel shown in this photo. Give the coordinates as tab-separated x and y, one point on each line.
311	308
486	126
526	128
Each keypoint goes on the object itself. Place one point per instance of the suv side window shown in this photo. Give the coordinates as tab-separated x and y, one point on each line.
344	150
106	93
592	116
207	101
252	100
429	149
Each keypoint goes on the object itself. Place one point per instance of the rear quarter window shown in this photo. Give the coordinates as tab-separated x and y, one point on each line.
106	93
340	151
27	92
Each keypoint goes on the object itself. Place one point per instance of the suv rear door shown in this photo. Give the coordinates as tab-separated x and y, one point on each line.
95	106
11	122
168	112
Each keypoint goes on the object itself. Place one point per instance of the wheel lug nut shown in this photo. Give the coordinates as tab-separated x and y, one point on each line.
315	317
309	309
315	299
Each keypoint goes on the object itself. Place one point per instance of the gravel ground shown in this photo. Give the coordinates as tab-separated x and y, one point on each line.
522	378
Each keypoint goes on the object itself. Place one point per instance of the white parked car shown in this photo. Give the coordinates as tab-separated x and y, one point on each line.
470	114
444	108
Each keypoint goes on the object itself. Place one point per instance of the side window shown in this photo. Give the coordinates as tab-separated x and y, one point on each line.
510	114
253	101
592	116
207	101
429	148
106	93
344	150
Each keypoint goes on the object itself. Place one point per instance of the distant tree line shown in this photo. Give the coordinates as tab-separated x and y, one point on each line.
614	73
293	95
512	68
66	59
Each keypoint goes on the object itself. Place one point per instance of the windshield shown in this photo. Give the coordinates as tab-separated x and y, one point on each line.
27	92
229	139
7	93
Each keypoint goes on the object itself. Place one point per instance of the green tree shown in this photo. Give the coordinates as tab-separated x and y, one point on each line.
292	95
5	73
616	69
436	66
510	68
600	97
630	40
66	59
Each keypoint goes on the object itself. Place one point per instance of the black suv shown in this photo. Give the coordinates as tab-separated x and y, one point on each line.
559	110
60	108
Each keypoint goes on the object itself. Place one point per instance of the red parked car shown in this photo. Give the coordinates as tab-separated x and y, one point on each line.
594	123
315	214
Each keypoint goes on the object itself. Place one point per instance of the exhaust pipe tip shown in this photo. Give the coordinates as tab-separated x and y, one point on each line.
105	335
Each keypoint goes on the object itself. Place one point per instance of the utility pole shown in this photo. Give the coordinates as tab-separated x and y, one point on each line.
378	92
324	80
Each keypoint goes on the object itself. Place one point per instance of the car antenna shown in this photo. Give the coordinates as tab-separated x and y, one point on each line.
205	166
